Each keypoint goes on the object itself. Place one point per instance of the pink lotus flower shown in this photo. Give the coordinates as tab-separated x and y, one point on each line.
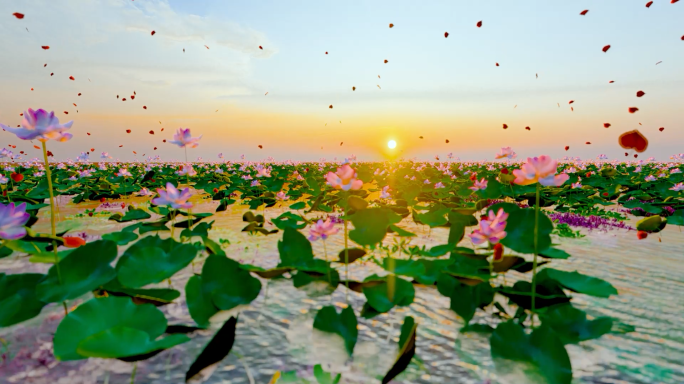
678	187
12	221
540	169
182	138
124	172
263	171
491	229
323	229
479	185
650	178
40	125
384	194
172	197
578	184
506	152
344	179
282	196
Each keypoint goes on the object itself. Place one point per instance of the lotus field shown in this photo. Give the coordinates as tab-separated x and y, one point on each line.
172	272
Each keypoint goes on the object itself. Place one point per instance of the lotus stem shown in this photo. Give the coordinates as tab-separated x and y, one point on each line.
135	369
187	181
325	251
391	279
534	262
346	258
48	173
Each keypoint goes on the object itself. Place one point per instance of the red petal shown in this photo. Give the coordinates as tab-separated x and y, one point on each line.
640	93
479	24
144	106
46	47
260	47
571	101
584	12
18	15
66	113
606	125
661	129
446	34
633	140
648	5
606	48
633	109
153	32
505	126
71	78
567	147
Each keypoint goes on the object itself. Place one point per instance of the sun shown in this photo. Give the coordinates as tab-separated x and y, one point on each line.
391	144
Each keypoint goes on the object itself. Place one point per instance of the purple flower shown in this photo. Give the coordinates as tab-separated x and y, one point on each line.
12	221
173	197
590	222
183	138
40	125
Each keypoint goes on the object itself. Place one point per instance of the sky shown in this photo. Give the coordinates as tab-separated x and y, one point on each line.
435	87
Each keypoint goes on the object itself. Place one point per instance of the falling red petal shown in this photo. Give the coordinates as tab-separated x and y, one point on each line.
648	5
44	65
74	104
71	78
584	12
385	61
571	101
640	93
18	15
479	24
606	48
151	132
567	147
152	33
635	155
120	146
497	64
261	147
633	140
606	125
88	133
144	106
505	126
46	47
391	25
446	34
124	99
588	142
32	89
528	128
633	109
330	106
79	93
260	47
66	113
128	131
661	129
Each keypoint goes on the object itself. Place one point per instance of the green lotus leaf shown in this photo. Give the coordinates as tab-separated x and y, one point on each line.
112	327
152	260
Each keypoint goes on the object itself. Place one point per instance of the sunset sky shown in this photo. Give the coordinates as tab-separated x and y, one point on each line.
435	87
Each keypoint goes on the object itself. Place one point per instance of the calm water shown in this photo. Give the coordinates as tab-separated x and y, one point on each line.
275	332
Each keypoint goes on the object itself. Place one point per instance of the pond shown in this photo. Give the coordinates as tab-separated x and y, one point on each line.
275	332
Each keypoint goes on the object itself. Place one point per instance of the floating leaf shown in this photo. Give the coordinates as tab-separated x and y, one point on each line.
343	324
18	301
407	349
83	270
214	352
112	327
152	260
578	282
541	355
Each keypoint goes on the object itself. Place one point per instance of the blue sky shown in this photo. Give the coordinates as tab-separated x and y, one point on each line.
435	87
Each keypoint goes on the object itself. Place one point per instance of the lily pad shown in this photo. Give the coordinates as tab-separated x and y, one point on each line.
18	301
344	324
83	270
112	327
152	260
